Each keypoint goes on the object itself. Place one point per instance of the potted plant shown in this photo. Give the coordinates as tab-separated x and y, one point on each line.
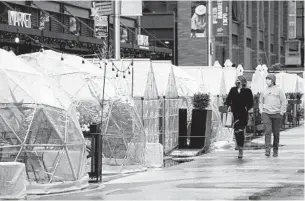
292	98
201	120
298	96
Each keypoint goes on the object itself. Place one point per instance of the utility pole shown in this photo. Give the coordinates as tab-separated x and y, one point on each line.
117	30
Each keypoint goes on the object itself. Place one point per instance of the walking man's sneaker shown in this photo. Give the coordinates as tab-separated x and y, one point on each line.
240	153
267	153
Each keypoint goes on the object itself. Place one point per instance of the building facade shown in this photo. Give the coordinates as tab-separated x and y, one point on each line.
257	32
65	26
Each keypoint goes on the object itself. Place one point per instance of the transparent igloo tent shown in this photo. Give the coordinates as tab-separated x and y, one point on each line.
123	134
39	127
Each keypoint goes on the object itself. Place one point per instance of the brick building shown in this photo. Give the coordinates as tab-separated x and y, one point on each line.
257	33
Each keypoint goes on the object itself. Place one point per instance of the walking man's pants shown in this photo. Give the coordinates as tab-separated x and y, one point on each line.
272	124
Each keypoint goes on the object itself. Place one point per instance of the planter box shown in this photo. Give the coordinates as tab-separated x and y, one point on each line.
293	101
200	128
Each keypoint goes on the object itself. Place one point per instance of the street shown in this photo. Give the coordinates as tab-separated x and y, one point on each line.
215	176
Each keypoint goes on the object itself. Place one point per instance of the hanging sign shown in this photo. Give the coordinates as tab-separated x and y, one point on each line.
102	8
199	19
44	21
101	26
143	42
19	19
292	19
220	19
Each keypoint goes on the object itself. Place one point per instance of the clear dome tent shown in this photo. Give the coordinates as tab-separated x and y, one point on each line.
123	134
211	80
142	87
170	104
39	127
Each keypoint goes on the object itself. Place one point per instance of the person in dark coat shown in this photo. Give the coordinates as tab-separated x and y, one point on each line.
239	102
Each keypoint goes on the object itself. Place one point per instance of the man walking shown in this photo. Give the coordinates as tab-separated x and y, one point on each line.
272	107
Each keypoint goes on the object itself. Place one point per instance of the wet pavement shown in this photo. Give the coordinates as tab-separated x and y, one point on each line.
214	176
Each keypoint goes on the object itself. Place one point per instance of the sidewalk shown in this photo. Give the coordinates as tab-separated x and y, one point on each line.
215	176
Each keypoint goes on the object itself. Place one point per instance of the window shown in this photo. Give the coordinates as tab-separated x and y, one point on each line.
281	4
234	10
261	15
272	22
249	43
249	13
261	45
282	50
271	48
293	47
234	39
299	26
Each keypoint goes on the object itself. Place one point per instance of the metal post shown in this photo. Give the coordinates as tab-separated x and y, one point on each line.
210	34
174	43
102	111
164	129
108	39
117	29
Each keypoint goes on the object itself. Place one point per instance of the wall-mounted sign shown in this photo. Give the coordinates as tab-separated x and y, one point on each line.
19	19
220	22
101	26
102	8
292	19
143	42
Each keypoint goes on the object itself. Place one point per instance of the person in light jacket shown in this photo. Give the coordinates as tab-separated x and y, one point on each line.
272	108
240	101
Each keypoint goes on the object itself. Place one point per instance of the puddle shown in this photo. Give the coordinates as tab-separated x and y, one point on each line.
170	162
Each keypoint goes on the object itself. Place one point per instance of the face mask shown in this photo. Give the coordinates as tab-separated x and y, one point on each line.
269	82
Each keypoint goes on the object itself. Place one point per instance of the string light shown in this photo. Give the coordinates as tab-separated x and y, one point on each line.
83	61
124	72
62	58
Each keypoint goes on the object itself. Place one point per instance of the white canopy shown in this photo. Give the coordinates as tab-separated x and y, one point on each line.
230	76
240	70
144	84
186	85
209	79
258	83
288	82
165	78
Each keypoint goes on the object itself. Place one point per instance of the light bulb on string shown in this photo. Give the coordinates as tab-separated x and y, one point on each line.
17	40
124	76
117	74
112	69
83	61
62	58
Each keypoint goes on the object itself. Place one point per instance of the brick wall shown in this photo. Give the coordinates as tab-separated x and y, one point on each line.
191	51
254	33
241	36
276	31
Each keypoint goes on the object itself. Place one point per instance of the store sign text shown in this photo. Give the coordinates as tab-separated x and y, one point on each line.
19	19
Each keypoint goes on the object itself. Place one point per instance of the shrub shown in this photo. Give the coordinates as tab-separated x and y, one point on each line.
298	95
201	101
